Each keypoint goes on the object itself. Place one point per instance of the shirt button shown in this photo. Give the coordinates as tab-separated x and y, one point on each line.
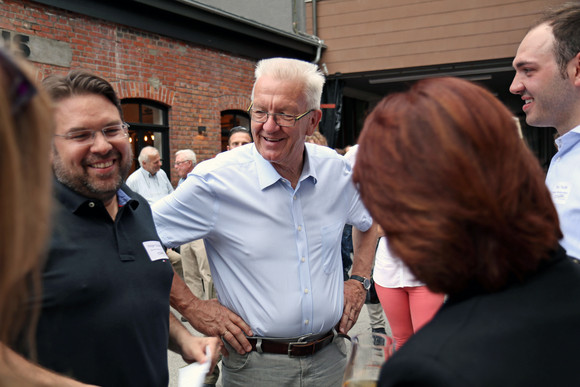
306	322
294	197
303	259
299	228
91	204
306	291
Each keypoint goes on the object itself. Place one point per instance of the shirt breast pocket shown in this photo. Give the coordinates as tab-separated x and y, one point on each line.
331	239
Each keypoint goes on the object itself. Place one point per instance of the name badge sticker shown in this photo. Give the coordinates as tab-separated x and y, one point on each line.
561	192
155	250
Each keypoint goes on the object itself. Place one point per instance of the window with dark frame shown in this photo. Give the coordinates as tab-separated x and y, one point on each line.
148	122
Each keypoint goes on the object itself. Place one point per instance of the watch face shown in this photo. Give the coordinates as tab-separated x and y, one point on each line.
367	283
364	281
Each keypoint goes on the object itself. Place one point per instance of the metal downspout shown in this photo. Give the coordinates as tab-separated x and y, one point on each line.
315	33
319	41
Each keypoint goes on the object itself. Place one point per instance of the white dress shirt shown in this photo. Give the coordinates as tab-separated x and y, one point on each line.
151	187
563	181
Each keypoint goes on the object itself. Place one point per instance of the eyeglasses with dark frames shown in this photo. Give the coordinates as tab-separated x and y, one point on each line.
20	88
281	119
87	136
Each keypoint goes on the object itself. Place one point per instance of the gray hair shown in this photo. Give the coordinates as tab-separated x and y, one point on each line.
296	70
145	153
188	154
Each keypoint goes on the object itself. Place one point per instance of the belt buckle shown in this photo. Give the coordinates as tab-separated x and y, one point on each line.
290	345
300	340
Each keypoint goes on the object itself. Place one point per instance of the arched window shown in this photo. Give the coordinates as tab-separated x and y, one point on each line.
229	119
148	126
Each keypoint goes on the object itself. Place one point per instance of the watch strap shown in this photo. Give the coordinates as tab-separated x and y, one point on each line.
364	281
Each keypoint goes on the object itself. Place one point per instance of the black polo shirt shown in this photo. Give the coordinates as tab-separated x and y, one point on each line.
105	300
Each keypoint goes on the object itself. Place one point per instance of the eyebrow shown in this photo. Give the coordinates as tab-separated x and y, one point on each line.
523	63
111	123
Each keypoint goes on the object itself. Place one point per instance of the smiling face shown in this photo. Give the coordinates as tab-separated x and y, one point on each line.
152	163
282	146
183	166
550	100
97	170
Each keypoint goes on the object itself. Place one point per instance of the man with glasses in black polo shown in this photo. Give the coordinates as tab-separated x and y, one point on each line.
104	317
271	215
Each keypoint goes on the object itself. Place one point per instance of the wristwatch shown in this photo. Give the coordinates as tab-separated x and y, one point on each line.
363	280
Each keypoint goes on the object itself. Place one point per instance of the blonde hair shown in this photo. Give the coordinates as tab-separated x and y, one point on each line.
317	138
26	129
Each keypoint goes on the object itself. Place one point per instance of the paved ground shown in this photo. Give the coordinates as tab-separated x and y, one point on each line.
175	361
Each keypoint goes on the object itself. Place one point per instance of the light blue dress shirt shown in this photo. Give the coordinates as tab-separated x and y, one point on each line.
274	251
151	187
563	181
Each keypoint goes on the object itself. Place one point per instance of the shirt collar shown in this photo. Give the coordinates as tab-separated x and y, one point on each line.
74	201
267	174
146	173
568	139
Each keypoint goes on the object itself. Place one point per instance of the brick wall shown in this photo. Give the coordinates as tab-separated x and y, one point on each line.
195	82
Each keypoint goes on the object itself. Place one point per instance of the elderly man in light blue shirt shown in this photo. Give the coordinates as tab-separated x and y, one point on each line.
150	181
271	215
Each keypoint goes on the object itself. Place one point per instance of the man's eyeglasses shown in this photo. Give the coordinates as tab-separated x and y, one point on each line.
21	89
181	162
87	137
281	119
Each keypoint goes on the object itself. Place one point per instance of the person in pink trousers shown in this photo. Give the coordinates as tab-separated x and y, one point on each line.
407	302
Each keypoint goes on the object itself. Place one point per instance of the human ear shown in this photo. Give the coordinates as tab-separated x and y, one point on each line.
313	121
575	66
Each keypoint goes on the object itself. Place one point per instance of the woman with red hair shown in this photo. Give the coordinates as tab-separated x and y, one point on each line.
463	203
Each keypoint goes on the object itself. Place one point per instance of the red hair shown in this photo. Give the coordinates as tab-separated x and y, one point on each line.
462	200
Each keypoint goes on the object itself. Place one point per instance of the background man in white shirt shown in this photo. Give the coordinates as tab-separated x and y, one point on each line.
150	181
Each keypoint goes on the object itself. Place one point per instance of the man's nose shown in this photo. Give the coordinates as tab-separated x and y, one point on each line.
517	86
270	124
100	143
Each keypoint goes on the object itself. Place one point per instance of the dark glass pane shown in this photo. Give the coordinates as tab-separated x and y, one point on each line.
130	112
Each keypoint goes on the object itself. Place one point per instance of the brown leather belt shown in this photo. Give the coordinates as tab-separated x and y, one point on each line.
292	349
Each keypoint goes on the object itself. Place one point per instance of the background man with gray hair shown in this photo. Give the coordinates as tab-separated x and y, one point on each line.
150	180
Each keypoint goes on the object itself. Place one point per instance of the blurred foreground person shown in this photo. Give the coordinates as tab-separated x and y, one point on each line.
25	136
463	204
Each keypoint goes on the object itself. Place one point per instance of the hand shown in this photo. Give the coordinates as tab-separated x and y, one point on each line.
193	349
354	299
213	319
210	317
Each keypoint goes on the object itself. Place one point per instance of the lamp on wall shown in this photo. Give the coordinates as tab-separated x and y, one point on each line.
201	130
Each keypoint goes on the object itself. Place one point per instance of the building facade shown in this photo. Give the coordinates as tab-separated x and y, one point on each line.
376	47
183	70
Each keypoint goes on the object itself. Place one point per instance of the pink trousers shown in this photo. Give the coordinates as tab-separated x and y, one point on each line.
408	309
